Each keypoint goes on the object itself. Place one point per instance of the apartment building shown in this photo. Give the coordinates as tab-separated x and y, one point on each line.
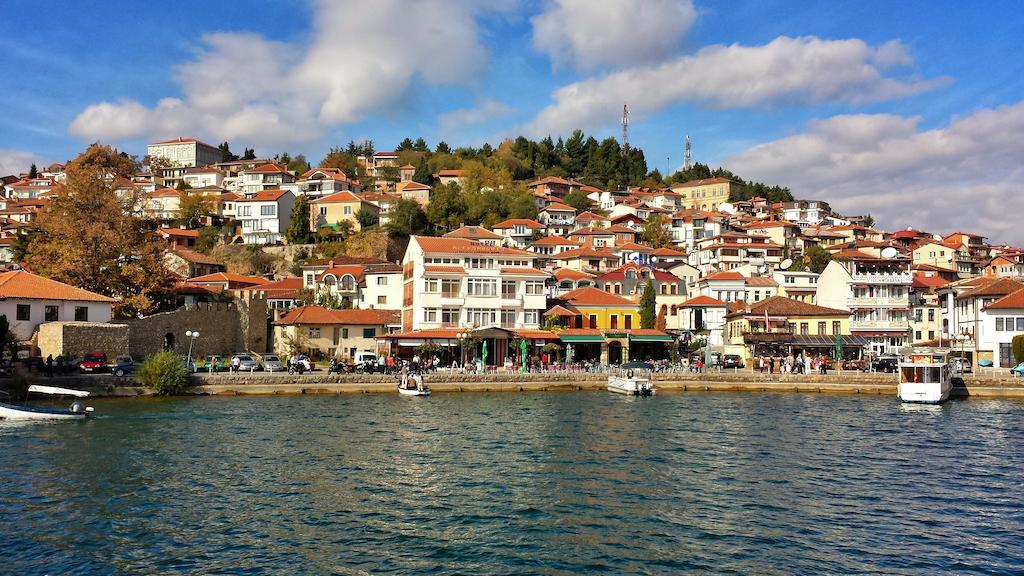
559	218
706	193
801	286
518	232
732	251
264	216
185	152
806	213
265	177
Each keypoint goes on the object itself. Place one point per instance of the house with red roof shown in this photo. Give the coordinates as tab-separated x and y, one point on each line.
554	186
326	213
318	182
478	233
325	333
227	280
560	219
28	300
1000	321
699	318
271	176
264	216
518	232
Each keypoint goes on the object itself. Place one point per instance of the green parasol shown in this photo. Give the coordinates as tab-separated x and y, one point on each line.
522	352
568	353
839	346
483	358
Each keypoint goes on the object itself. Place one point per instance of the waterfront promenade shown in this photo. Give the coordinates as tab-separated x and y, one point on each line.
258	383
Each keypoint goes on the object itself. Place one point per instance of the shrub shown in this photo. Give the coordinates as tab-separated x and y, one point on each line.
165	373
1018	348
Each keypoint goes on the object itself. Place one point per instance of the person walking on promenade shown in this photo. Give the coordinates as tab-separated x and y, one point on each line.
49	366
823	366
700	366
771	364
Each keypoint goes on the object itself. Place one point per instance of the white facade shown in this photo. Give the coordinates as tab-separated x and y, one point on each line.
806	213
26	314
185	152
264	220
802	285
878	294
204	178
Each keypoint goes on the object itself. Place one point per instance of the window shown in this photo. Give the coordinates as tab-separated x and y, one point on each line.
931	314
50	313
999	324
347	210
931	334
268	210
627	320
482	317
449	316
593	321
337	336
917	335
614	321
804	328
314	331
431	285
508	318
344	332
534	287
430	314
382	299
531	317
323	210
482	287
382	280
245	211
81	313
450	287
369	332
1020	324
821	328
508	288
24	311
348	283
836	326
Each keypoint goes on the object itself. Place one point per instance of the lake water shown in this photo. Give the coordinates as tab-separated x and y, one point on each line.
550	483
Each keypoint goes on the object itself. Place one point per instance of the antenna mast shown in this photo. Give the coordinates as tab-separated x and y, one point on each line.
625	127
687	155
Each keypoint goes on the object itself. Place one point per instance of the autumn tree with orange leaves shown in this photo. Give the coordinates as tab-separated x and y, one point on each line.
84	238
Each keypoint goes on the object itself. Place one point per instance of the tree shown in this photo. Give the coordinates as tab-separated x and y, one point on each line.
420	145
648	318
1018	348
578	199
868	221
109	159
225	153
209	238
422	173
193	206
340	159
405	219
447	208
367	218
657	232
165	373
817	258
249	154
33	171
443	148
405	144
298	164
84	238
298	230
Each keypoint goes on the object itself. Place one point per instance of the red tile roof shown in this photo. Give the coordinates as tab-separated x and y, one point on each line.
283	288
444	269
24	284
761	281
590	296
271	168
179	232
410	185
524	272
434	245
783	306
620	273
321	315
228	277
513	222
338	197
265	196
590	216
725	276
473	233
570	274
997	287
559	207
703	300
1013	300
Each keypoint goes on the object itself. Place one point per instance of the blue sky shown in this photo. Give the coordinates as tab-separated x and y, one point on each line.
302	76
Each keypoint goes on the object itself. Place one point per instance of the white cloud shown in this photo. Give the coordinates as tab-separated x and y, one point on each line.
589	34
362	58
451	123
804	70
17	161
967	175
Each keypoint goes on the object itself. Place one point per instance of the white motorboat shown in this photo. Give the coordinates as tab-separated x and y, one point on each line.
630	384
77	410
412	385
925	375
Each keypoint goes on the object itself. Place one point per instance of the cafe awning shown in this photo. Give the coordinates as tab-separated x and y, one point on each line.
821	340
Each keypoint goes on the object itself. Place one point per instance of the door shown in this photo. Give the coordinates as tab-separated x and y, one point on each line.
614	353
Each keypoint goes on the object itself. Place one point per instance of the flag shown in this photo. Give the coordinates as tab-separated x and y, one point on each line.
767	326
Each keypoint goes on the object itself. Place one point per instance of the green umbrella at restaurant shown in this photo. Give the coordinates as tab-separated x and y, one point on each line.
522	351
483	358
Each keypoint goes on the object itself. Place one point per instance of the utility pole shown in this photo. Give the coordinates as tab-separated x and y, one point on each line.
687	154
625	128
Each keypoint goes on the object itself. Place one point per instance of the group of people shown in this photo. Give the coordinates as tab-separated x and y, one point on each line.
790	364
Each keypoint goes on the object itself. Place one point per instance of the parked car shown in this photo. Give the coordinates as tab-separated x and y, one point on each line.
271	363
123	365
1017	370
245	362
212	364
961	365
732	361
93	362
885	364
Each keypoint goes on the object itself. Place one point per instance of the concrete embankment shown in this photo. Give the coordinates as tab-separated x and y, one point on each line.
322	383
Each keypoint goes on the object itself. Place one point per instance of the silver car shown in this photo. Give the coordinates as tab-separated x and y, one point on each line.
244	363
271	363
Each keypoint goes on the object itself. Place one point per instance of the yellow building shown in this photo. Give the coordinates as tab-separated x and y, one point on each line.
331	210
706	193
793	328
935	254
605	328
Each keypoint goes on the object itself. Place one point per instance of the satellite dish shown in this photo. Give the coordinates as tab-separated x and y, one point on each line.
786	264
727	207
889	252
654	259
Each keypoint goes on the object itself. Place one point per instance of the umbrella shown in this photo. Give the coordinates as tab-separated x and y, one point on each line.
839	346
639	365
522	350
483	357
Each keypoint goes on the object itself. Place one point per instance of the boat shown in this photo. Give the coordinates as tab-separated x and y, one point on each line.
77	410
412	385
630	384
925	375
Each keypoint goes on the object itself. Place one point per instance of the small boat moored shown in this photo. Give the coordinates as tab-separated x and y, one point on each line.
925	375
77	410
412	385
631	384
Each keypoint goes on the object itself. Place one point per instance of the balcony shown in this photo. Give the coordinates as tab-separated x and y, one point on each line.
896	325
882	278
453	298
878	302
511	300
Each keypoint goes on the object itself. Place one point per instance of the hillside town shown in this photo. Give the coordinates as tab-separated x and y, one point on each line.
383	253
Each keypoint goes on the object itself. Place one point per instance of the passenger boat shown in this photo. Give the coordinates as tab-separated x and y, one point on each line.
630	384
925	375
412	385
77	410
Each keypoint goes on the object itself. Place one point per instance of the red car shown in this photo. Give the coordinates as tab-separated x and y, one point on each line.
93	362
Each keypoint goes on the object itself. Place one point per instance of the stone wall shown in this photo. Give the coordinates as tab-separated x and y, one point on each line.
74	339
224	328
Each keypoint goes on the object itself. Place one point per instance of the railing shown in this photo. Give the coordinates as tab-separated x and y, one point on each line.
451	294
890	301
883	278
879	324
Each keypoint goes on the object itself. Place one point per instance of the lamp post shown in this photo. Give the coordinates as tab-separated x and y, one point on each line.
191	335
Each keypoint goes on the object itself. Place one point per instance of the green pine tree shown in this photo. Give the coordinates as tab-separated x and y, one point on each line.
298	230
648	304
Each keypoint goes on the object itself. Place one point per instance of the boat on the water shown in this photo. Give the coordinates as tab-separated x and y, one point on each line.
412	385
77	410
631	384
925	375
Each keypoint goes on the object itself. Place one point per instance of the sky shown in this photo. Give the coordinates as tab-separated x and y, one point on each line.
911	111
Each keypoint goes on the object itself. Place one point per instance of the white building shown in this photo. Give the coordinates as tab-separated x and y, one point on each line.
806	213
518	232
877	291
265	177
28	300
365	285
185	152
203	177
1000	321
265	216
801	285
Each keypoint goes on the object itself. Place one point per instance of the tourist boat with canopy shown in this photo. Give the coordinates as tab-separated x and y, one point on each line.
634	381
77	410
925	375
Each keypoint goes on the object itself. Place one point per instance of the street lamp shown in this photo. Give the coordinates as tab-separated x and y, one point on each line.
191	335
462	336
